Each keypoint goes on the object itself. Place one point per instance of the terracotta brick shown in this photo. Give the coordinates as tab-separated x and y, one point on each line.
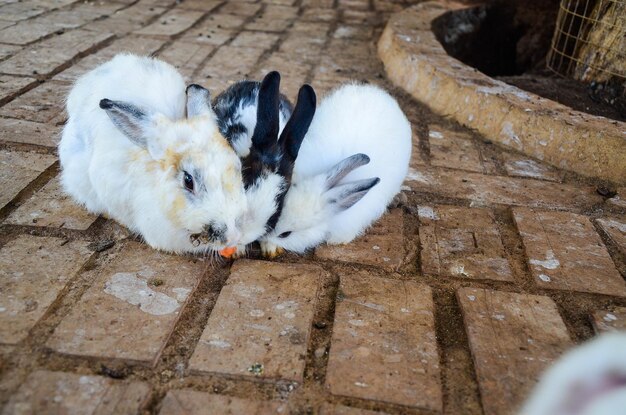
462	242
619	200
52	208
616	230
301	48
46	392
13	85
34	270
483	189
383	346
8	50
513	339
171	23
241	9
186	56
27	31
20	131
518	165
261	323
223	20
228	65
382	245
355	16
204	35
48	55
255	39
450	148
328	409
189	402
293	76
130	309
614	320
44	104
17	170
22	11
273	19
564	252
319	14
354	32
129	44
127	20
82	13
353	4
318	4
200	5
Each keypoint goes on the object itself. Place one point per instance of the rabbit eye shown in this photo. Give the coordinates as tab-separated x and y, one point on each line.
284	234
188	181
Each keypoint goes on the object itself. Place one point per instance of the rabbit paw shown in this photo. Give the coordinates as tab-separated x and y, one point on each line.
240	252
269	250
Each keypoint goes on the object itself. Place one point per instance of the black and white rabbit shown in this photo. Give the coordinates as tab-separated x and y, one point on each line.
236	110
268	166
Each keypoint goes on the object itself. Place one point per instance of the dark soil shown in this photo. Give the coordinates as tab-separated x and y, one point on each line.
596	99
509	40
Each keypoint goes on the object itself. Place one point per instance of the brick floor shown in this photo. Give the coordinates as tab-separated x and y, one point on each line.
189	402
383	345
613	320
58	392
131	307
490	265
462	242
261	324
565	252
513	337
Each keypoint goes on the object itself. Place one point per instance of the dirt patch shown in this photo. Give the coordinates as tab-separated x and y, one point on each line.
509	41
596	99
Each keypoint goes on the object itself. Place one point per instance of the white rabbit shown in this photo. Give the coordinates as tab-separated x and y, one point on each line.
588	380
129	152
357	149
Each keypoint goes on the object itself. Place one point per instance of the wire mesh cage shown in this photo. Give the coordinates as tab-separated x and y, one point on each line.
589	42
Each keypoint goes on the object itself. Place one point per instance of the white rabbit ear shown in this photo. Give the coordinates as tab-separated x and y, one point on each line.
345	166
198	101
345	195
129	119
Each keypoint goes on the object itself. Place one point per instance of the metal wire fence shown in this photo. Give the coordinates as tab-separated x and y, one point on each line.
589	40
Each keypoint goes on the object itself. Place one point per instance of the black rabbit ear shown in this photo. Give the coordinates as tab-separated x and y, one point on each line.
298	125
267	116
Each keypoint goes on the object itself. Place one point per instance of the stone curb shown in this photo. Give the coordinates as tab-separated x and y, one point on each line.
416	61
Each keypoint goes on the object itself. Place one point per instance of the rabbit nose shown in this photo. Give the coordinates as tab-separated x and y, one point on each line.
233	236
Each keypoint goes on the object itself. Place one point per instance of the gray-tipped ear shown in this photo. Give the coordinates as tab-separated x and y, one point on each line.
345	166
198	100
346	195
129	119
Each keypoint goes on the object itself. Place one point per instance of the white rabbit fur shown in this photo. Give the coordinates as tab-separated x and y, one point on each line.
141	185
588	380
352	119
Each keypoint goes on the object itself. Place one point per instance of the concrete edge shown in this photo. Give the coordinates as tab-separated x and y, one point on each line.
415	61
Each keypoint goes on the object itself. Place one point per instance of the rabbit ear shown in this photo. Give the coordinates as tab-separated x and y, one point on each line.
345	166
345	195
198	101
129	119
267	117
298	125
